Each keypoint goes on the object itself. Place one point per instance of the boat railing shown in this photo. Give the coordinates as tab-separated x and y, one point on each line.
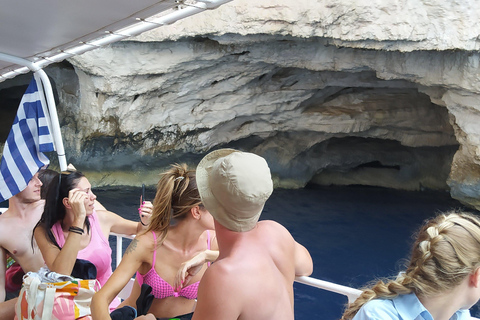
350	293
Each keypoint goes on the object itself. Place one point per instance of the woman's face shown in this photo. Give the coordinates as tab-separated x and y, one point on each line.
85	186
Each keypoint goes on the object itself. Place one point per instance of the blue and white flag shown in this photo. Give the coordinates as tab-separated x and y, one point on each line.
28	138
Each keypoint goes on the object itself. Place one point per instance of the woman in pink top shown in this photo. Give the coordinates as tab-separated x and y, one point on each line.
180	228
70	228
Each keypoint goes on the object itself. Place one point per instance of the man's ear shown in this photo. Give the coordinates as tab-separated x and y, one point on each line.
475	278
66	203
195	212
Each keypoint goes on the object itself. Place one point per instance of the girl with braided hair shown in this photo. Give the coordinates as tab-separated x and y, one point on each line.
442	280
180	228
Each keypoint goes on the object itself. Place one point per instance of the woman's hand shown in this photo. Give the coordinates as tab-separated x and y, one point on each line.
76	200
145	211
188	270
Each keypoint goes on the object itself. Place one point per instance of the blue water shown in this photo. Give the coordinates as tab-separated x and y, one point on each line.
354	234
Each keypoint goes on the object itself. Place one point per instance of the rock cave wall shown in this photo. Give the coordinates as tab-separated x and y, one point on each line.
328	93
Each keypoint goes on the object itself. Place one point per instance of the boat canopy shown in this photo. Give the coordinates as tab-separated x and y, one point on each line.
48	31
34	34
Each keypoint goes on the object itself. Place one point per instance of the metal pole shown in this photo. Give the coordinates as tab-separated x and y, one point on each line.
56	133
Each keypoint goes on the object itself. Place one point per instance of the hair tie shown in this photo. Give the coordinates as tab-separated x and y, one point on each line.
178	178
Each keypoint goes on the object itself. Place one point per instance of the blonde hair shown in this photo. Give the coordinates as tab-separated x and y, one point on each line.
177	193
447	250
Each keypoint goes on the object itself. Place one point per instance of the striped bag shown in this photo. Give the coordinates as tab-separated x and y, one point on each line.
55	301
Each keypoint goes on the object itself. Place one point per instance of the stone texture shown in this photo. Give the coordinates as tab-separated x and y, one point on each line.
348	92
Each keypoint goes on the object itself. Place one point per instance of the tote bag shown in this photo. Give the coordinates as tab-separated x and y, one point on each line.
65	300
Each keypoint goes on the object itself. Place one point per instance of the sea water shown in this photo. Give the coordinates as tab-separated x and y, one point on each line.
354	234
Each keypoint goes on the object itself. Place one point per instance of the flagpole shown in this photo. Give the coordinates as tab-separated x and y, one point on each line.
52	109
56	133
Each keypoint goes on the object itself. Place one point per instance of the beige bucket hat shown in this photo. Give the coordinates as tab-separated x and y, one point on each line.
234	187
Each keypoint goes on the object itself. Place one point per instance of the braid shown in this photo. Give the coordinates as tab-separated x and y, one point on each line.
381	290
447	249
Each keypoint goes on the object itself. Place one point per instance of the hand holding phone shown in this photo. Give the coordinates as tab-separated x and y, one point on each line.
146	208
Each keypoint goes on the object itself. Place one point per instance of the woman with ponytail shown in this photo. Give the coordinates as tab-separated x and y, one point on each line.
442	280
180	228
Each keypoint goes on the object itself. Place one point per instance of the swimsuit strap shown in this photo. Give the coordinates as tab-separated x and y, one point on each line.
154	250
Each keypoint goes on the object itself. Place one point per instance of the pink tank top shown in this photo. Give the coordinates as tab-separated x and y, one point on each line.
97	252
161	289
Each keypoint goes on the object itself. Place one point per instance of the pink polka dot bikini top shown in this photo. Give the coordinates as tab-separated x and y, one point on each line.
161	289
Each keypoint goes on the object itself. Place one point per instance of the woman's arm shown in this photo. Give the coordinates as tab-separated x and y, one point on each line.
134	256
190	268
112	222
121	225
60	261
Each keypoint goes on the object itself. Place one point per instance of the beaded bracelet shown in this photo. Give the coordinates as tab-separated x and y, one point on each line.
76	230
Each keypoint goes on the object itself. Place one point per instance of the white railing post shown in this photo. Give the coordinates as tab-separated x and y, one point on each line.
119	249
351	293
119	241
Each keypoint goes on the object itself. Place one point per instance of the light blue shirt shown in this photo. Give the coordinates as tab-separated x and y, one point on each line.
403	307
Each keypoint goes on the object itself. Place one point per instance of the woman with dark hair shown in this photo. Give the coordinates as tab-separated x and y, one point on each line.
71	228
180	228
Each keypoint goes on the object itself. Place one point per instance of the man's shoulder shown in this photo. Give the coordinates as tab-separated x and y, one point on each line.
270	224
32	212
273	227
7	220
222	274
7	215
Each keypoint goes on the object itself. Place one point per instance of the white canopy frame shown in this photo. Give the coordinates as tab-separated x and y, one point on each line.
185	10
45	89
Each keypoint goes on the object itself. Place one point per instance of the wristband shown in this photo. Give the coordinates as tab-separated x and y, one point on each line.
76	230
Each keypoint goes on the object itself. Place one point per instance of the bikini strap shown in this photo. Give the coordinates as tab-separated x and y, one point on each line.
155	249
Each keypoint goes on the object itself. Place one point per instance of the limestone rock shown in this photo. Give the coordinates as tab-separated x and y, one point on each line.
374	93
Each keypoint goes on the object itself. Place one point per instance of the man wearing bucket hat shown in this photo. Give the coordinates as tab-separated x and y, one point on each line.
258	261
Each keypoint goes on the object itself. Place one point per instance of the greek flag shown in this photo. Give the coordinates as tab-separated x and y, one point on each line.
28	138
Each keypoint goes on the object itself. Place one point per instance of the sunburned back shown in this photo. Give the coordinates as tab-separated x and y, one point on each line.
16	237
253	279
268	274
266	292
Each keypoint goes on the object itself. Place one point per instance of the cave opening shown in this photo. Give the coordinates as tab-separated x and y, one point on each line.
387	137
